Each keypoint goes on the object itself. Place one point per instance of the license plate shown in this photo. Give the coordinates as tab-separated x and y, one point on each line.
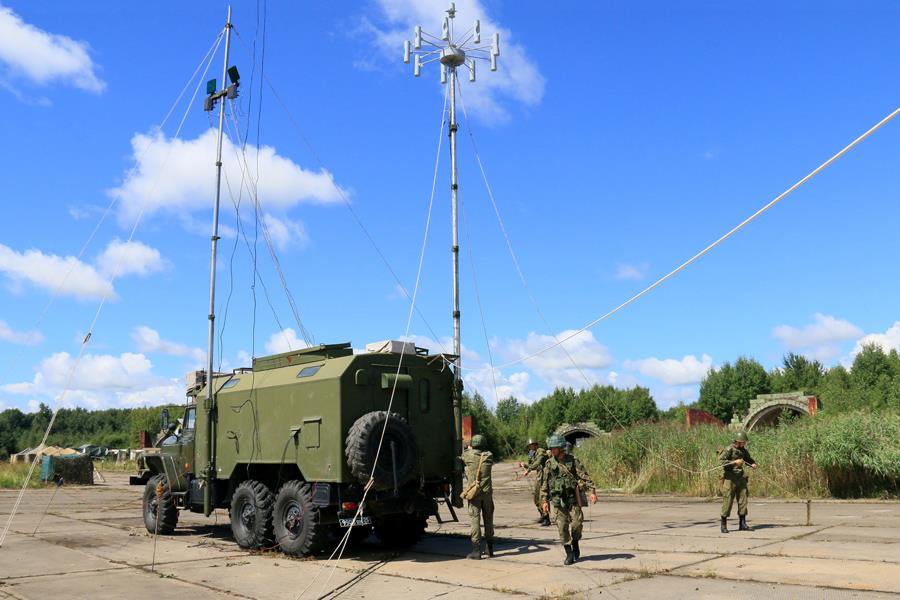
360	521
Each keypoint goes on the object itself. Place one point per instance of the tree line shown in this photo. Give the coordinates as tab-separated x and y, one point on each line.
871	383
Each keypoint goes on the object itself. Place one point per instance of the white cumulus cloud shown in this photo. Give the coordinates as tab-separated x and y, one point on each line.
633	272
285	232
23	338
176	176
126	258
148	340
69	276
672	371
517	77
100	381
820	340
824	329
555	367
889	340
284	341
50	272
45	58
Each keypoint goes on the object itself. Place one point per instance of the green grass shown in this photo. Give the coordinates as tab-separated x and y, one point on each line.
13	476
846	455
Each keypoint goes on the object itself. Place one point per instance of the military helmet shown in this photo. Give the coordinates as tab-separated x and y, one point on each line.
741	437
556	441
530	442
477	441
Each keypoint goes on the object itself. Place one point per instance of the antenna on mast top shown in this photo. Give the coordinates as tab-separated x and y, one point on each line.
453	52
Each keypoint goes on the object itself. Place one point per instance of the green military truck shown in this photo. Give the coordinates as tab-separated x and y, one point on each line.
288	447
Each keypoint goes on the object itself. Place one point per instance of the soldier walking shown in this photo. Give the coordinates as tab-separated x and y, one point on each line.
478	463
537	456
565	481
733	459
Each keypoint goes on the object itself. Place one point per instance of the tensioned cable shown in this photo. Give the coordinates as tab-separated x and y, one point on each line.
541	313
484	330
705	250
342	545
343	197
115	199
69	378
267	236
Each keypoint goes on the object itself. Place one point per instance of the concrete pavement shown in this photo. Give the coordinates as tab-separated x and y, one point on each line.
92	544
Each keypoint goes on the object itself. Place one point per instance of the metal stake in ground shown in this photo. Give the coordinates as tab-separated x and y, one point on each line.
59	482
453	52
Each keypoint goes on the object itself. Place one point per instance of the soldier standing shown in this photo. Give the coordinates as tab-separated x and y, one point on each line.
733	459
565	481
478	463
537	456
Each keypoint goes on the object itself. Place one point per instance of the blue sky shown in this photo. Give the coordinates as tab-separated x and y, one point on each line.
619	139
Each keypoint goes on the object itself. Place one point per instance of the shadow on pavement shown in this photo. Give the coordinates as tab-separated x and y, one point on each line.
598	557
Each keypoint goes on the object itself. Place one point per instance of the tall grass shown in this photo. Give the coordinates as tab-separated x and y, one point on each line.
12	476
846	455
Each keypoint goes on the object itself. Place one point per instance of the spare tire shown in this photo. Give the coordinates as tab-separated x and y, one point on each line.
362	447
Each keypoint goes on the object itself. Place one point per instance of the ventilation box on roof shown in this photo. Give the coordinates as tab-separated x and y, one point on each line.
391	347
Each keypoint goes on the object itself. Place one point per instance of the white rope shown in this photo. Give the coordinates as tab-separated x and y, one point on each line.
342	545
541	313
252	190
90	331
115	199
340	192
701	253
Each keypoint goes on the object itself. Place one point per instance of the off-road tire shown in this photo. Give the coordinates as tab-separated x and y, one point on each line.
251	515
165	510
362	446
401	531
297	520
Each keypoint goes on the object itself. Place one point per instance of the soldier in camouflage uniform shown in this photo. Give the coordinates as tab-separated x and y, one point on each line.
565	481
733	459
478	460
537	456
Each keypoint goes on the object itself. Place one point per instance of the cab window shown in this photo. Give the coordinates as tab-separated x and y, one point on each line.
190	418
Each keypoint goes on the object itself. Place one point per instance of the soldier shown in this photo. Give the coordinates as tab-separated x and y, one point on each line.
565	480
537	456
479	462
733	459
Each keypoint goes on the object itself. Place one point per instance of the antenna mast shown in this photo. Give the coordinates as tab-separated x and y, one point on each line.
215	95
453	52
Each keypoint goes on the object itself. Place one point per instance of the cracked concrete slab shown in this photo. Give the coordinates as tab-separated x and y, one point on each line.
92	544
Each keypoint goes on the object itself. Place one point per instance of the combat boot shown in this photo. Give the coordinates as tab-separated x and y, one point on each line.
724	525
570	555
545	521
490	548
475	554
742	524
576	551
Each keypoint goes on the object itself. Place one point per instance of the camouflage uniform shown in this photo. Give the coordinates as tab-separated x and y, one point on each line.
536	463
735	480
483	504
564	482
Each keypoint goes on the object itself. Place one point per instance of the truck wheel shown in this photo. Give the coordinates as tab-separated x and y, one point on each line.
401	531
163	509
362	446
298	529
251	515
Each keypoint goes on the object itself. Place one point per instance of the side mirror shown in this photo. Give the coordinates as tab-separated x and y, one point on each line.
164	419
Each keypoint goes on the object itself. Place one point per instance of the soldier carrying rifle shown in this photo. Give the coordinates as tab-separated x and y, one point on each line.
537	457
565	481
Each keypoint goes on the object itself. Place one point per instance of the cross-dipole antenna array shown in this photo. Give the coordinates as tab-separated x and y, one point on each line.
453	52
